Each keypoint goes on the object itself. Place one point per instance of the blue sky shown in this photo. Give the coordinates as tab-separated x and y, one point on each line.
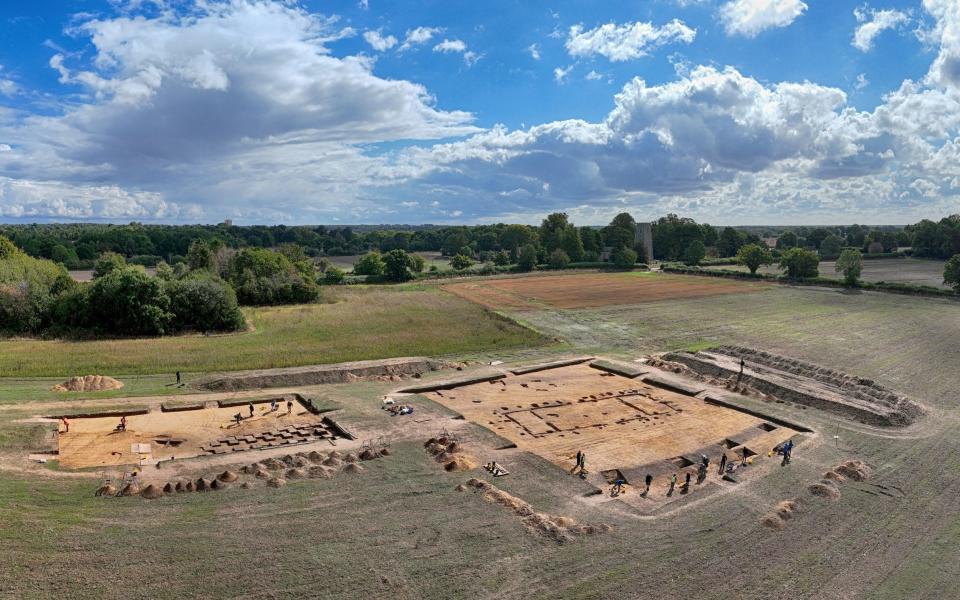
729	111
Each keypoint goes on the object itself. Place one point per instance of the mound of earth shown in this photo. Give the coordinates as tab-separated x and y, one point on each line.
245	485
385	452
803	383
277	482
261	474
856	470
151	492
201	485
216	484
228	476
825	489
368	454
168	489
353	468
107	490
460	462
296	474
772	520
786	508
350	458
131	489
190	487
321	472
89	383
332	461
315	456
460	488
557	527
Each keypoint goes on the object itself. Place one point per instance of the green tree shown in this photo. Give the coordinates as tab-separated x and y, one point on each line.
264	277
695	253
951	272
370	264
559	259
333	276
830	247
730	242
501	259
108	263
7	248
418	263
200	257
527	259
127	301
753	256
398	265
571	244
461	262
850	264
799	263
624	258
787	240
164	271
203	303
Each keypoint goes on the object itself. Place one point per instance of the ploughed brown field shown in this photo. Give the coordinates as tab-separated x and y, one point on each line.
593	290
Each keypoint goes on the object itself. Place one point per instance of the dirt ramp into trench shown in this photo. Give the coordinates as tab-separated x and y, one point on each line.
804	383
394	369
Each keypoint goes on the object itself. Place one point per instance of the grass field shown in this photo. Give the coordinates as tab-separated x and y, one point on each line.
893	270
356	323
399	529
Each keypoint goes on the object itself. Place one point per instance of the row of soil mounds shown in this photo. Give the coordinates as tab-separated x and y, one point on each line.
828	488
804	383
394	369
274	472
556	527
451	454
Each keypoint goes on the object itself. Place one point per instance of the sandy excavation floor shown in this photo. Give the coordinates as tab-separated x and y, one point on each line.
93	441
623	425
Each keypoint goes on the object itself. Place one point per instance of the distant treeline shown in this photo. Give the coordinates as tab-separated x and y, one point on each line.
79	245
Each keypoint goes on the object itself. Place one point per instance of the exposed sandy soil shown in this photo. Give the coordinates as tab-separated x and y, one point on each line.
625	426
593	290
88	383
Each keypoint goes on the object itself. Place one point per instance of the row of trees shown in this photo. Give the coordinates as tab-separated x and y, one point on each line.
798	263
202	293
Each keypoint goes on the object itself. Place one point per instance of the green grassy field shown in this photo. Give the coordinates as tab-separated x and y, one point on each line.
399	529
355	323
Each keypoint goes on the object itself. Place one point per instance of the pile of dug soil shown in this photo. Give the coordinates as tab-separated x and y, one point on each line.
216	484
315	456
350	458
856	470
368	454
272	464
261	474
463	462
772	520
825	489
190	487
332	461
353	468
107	490
89	383
385	452
557	527
321	472
786	508
460	488
834	476
277	482
131	489
151	492
228	476
296	474
245	485
201	485
168	489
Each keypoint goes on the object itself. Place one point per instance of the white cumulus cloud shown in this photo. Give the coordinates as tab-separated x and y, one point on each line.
874	22
627	41
378	41
750	17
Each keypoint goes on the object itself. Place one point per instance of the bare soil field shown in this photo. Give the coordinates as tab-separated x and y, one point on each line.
593	290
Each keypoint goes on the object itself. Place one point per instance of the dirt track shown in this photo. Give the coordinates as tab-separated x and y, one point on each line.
592	290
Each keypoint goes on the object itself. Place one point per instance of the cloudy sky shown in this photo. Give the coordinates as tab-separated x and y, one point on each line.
441	111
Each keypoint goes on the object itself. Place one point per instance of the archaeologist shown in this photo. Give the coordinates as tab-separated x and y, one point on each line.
673	484
273	405
647	480
250	405
289	406
66	424
577	466
617	487
740	374
787	451
583	464
686	483
723	462
178	378
123	423
701	473
238	417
